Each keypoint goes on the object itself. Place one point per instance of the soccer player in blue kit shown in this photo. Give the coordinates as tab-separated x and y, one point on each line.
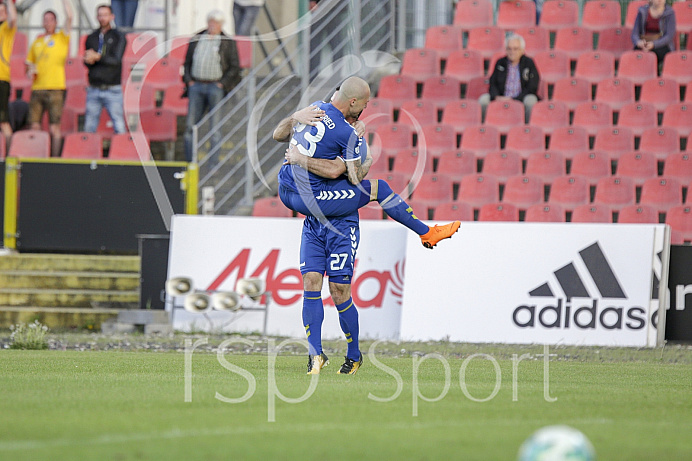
324	147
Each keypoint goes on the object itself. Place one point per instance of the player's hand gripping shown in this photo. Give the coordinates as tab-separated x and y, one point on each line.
294	157
308	116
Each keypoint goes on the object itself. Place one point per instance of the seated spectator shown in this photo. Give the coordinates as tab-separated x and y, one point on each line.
654	29
515	76
46	63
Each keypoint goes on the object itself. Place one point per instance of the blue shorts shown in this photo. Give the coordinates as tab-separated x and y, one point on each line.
337	197
330	249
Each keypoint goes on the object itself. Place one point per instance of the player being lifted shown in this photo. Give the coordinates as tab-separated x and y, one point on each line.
323	178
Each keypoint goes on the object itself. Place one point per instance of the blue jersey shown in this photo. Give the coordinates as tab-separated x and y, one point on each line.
330	138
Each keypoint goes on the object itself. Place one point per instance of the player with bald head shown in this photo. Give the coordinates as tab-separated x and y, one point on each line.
324	148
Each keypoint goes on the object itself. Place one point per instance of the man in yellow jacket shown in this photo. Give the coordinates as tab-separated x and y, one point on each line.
46	63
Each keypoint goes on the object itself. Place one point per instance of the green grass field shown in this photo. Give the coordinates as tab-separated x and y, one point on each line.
115	405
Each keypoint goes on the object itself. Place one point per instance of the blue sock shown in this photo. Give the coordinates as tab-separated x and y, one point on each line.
397	209
348	318
313	316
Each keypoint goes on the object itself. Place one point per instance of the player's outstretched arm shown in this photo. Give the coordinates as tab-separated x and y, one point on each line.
307	116
323	167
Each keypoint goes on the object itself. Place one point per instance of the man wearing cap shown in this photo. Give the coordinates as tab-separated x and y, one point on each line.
212	69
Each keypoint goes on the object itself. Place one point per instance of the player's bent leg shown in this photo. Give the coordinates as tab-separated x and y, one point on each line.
313	316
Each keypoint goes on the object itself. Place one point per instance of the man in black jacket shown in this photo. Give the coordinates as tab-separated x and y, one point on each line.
212	69
103	57
515	77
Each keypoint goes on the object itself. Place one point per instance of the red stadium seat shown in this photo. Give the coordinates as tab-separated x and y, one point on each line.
499	212
661	141
525	140
638	66
464	65
391	138
30	143
433	189
478	189
569	192
679	218
638	214
138	97
140	46
398	182
105	126
593	116
504	114
683	20
502	164
594	66
661	92
537	39
574	41
75	98
523	191
477	87
436	139
486	40
638	117
601	14
614	141
557	14
440	90
678	165
125	146
544	212
456	164
163	72
677	66
480	139
516	14
178	47
616	40
417	113
679	116
546	165
569	141
18	77
552	65
470	14
20	46
83	146
159	125
616	91
592	213
420	63
661	193
453	211
397	88
411	162
615	192
270	207
378	112
591	165
572	91
549	115
444	39
173	100
3	147
639	166
462	113
75	72
632	8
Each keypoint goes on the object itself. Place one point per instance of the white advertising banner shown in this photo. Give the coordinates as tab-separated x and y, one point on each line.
216	251
580	284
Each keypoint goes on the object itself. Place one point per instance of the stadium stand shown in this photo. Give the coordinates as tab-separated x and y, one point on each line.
478	189
378	112
571	91
661	141
159	125
470	14
391	138
683	20
678	165
592	213
420	63
574	41
595	66
476	87
525	140
453	211
638	117
163	72
417	113
592	116
638	66
75	72
569	192
558	14
502	164
549	115
679	116
30	143
523	191
631	14
680	220
552	65
616	92
677	66
397	89
591	165
601	14
614	141
504	114
461	114
487	41
544	212
480	139
537	39
639	166
638	214
464	65
124	146
516	14
546	165
173	100
616	40
569	141
456	164
615	192
270	207
661	92
661	193
440	90
444	40
433	189
436	139
411	161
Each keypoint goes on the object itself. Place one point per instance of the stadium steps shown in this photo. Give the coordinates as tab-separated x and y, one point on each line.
67	290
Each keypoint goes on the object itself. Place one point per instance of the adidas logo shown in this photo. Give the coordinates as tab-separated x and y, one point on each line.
608	308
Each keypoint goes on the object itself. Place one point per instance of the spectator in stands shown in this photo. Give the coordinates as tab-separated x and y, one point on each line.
8	27
515	76
245	14
212	69
125	12
104	59
324	30
654	29
46	63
